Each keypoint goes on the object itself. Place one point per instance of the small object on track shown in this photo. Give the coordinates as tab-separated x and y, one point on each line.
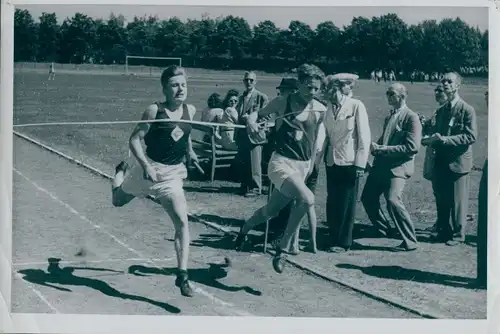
81	252
228	262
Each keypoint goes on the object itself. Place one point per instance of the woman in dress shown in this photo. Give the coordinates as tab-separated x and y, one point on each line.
159	171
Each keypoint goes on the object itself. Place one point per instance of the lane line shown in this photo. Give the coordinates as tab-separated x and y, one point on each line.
232	308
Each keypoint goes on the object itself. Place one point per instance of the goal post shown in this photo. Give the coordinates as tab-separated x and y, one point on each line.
149	62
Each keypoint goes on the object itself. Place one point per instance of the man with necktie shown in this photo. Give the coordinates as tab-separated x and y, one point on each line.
347	147
454	133
394	163
249	154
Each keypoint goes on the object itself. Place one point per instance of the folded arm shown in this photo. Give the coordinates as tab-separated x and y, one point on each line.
469	134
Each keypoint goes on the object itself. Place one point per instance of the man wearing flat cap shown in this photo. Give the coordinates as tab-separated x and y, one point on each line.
393	165
346	151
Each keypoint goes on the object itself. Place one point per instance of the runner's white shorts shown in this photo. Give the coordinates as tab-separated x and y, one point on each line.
281	168
170	180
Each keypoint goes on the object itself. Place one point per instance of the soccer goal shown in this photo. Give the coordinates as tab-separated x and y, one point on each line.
135	65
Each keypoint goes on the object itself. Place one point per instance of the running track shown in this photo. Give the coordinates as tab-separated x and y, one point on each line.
60	208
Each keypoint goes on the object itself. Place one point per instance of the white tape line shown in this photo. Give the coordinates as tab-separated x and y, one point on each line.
208	124
233	310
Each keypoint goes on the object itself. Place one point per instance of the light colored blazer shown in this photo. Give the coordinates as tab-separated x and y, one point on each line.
348	137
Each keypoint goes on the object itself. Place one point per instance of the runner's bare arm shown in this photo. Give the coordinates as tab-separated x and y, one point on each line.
276	106
138	134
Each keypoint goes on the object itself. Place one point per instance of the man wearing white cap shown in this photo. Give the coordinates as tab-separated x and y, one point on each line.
347	148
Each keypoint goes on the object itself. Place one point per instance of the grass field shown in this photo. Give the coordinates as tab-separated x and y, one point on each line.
113	97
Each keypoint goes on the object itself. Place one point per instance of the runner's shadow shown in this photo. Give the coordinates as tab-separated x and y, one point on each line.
206	276
415	275
65	276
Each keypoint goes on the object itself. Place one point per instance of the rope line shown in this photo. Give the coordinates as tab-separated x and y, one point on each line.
131	122
208	124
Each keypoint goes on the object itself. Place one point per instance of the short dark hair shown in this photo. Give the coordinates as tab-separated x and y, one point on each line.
229	95
214	101
170	72
309	71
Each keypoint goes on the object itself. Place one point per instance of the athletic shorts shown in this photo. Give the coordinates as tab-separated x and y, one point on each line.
281	168
170	180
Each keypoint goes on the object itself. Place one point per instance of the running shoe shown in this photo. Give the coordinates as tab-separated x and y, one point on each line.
182	282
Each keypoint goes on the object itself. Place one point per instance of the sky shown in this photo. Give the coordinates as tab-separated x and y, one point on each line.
281	16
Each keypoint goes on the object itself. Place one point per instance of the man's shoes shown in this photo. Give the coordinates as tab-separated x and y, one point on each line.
403	247
253	193
240	242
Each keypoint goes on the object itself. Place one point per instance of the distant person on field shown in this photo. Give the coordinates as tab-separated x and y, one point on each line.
394	163
453	135
52	71
249	154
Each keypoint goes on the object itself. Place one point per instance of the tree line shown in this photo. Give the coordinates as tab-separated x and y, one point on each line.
229	42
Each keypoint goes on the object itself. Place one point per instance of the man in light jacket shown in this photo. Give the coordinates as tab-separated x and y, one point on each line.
347	147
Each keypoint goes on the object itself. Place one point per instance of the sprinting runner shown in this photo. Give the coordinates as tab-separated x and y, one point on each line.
52	71
160	170
298	119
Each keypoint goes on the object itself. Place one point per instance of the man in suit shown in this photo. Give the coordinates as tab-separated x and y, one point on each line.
346	152
454	133
393	165
249	154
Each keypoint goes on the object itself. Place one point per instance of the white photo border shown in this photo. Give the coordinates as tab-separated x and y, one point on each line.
50	323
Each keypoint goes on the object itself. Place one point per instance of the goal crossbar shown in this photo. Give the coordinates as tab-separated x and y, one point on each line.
127	65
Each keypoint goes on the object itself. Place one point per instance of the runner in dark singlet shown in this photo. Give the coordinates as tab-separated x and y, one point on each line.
292	160
160	170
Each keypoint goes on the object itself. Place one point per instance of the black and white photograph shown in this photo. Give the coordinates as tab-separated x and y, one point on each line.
250	161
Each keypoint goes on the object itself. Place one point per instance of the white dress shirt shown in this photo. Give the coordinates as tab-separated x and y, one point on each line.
391	123
348	134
